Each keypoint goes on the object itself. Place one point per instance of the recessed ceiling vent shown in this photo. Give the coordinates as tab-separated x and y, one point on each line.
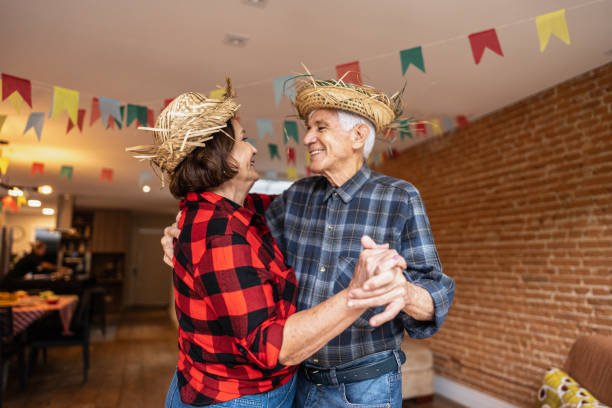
256	3
236	40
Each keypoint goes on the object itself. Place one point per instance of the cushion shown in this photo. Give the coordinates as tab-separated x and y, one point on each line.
560	390
589	362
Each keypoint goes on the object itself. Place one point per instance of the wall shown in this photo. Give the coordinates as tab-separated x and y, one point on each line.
521	209
24	227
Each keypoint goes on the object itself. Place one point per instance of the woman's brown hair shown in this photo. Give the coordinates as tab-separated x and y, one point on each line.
205	167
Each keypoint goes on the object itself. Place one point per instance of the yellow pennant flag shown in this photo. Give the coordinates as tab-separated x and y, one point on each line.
552	23
21	200
65	99
217	94
4	162
15	99
435	126
307	157
292	173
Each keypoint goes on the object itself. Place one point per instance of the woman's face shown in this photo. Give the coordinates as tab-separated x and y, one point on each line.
243	153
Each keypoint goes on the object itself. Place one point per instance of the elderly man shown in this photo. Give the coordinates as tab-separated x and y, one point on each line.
318	224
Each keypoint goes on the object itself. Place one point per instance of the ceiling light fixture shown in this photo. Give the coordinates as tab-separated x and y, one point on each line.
48	211
34	203
146	188
236	40
15	192
46	189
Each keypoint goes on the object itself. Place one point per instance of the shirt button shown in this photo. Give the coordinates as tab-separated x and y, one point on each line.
315	360
322	269
330	227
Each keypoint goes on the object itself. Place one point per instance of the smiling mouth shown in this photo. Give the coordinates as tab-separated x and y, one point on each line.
315	152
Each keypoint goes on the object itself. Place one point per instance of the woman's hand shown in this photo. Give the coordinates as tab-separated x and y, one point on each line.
171	233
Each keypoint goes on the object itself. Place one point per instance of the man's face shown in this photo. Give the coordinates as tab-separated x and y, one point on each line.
329	145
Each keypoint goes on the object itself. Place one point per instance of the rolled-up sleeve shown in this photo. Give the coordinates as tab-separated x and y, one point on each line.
424	269
248	303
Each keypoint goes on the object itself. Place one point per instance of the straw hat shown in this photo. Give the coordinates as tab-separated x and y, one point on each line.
364	101
186	123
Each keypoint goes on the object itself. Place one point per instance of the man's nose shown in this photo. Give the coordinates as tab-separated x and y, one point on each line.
309	138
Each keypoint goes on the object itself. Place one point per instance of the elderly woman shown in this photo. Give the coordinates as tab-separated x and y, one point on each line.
239	335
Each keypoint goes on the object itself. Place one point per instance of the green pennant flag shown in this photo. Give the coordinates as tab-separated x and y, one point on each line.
412	56
273	151
66	171
137	112
290	129
404	128
119	121
2	120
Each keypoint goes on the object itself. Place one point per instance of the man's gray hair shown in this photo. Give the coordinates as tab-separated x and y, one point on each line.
349	120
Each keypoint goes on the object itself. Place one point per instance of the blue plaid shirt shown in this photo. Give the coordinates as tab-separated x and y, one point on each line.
318	228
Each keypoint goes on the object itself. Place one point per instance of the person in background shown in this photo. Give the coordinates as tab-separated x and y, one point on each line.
239	333
32	262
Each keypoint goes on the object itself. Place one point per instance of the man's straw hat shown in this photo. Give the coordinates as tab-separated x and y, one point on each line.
186	123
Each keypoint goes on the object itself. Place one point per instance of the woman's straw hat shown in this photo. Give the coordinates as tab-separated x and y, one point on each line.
185	124
364	101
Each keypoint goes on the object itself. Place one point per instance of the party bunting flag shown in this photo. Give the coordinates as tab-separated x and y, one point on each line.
110	123
271	174
15	99
66	171
21	86
448	124
4	162
21	200
292	173
552	23
95	111
2	120
264	127
79	122
307	158
435	126
284	86
119	122
412	56
9	203
167	102
462	121
421	128
484	39
106	174
350	73
290	130
151	118
273	148
404	128
109	108
291	155
35	120
65	100
37	168
136	112
217	94
144	178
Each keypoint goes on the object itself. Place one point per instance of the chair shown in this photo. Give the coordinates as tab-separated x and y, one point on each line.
10	346
49	334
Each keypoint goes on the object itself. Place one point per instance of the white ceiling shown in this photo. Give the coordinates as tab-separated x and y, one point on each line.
143	52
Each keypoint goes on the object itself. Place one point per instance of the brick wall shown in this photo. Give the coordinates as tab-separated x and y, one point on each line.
521	209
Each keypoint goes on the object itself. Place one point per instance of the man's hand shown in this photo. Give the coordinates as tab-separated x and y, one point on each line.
167	242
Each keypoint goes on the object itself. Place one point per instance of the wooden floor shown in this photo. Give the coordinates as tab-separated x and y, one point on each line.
132	367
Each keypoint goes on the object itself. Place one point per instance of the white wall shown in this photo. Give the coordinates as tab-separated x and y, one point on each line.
24	227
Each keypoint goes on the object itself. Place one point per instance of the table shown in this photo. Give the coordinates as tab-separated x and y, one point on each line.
27	309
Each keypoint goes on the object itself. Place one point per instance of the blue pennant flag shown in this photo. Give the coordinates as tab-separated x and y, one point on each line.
109	107
271	174
448	124
282	86
35	120
144	178
264	126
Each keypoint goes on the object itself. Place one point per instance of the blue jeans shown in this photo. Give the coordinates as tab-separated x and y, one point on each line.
381	392
281	397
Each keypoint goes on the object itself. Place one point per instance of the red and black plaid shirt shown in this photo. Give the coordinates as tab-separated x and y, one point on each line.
233	295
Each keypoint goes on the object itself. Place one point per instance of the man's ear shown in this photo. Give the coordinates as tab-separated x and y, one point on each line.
360	135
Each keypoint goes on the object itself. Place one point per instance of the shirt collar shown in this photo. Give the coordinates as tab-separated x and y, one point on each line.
228	206
348	190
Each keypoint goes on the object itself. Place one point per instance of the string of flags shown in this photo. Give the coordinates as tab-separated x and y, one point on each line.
114	115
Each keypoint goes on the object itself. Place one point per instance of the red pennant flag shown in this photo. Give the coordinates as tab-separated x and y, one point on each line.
95	111
11	84
37	168
150	118
80	120
106	174
9	202
421	128
352	71
290	155
111	122
462	121
484	39
167	102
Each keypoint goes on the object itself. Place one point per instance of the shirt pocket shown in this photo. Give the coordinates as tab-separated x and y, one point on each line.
345	269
